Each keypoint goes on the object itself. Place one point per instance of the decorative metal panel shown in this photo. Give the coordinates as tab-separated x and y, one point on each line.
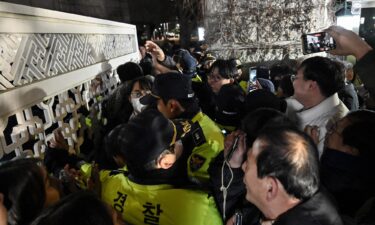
26	58
53	66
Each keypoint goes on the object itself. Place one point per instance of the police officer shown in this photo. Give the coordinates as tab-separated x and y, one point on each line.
175	100
145	194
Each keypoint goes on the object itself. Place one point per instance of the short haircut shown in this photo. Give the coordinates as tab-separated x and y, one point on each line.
292	157
286	86
360	133
145	83
326	72
129	71
280	69
224	68
233	68
263	118
191	105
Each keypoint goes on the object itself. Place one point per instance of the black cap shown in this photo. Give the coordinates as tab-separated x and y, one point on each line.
169	86
230	105
261	98
145	137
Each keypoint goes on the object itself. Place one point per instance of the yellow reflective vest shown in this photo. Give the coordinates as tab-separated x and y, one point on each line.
203	154
157	204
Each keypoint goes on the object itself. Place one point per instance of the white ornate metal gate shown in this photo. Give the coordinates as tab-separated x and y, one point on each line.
48	64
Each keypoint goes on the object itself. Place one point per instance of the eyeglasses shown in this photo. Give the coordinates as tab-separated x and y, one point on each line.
138	94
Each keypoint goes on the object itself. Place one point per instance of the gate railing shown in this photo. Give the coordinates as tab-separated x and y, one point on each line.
53	66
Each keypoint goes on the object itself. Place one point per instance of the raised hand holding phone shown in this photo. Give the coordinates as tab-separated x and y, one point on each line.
235	148
317	42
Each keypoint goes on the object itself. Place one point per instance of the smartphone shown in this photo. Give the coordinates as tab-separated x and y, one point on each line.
251	84
238	218
317	42
253	74
233	148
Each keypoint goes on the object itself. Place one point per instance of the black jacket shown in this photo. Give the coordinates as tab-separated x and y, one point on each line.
318	210
365	69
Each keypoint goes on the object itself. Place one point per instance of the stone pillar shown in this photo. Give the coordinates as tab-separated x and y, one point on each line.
263	30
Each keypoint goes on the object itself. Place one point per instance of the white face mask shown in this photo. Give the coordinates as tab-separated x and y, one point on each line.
137	106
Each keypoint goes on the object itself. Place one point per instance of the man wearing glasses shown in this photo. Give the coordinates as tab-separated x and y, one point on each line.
315	103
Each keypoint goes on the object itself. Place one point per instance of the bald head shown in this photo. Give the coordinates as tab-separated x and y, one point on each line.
290	156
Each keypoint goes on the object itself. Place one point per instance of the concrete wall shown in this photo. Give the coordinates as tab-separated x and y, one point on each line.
263	30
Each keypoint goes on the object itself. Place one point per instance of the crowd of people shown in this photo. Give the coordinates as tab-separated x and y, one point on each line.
187	138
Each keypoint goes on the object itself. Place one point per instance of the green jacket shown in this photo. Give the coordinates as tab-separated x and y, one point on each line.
157	204
205	153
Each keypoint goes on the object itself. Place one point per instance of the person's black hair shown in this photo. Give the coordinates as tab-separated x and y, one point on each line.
111	142
22	183
262	118
326	72
360	133
233	68
263	72
280	70
146	66
144	82
292	157
80	208
129	71
191	106
287	86
223	67
168	47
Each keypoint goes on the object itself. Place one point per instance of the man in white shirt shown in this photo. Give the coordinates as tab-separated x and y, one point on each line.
315	104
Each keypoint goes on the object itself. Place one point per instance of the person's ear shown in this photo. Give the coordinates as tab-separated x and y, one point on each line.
174	106
166	161
272	188
313	85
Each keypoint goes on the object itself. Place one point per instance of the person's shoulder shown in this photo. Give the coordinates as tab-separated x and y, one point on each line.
208	125
317	210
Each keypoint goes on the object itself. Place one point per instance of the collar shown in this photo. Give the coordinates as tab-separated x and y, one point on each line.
321	109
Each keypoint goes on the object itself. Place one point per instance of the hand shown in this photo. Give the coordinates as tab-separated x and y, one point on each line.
313	132
93	183
237	157
155	50
59	141
159	68
71	178
347	42
231	220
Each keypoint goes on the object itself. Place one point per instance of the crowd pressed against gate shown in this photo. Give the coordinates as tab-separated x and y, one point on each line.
188	138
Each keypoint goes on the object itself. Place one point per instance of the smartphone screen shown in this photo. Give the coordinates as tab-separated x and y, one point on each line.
317	42
251	84
233	148
253	74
